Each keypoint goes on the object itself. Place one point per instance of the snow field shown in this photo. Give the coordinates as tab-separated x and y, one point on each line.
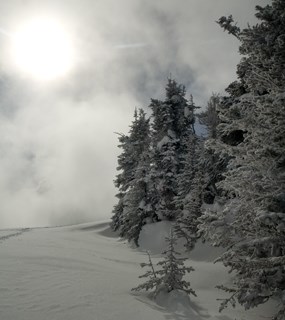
85	272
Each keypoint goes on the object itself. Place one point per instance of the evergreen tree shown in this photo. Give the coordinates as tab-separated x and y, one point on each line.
173	120
151	162
132	164
121	181
153	281
173	269
138	208
190	190
251	132
171	273
213	163
255	183
261	69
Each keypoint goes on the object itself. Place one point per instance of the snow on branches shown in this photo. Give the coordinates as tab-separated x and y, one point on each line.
170	274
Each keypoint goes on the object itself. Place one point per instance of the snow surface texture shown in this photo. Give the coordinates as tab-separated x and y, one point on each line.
85	272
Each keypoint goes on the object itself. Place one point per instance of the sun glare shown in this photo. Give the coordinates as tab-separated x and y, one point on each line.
42	49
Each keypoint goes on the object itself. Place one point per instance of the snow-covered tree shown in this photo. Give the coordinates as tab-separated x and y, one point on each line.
251	219
132	164
190	191
171	271
151	162
261	69
153	281
138	208
122	181
255	183
173	120
213	164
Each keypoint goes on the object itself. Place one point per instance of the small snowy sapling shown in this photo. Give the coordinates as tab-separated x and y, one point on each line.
170	275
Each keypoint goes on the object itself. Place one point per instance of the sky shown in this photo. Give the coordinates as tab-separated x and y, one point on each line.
58	147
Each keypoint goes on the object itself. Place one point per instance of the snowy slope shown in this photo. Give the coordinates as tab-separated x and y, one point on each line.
84	272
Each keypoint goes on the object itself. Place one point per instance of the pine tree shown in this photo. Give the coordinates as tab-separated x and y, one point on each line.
255	181
121	182
212	163
261	69
212	222
153	281
138	208
190	191
251	133
173	120
151	162
133	158
171	273
173	269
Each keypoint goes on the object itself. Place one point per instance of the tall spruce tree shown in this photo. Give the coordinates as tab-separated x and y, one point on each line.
138	209
190	189
173	121
252	133
132	164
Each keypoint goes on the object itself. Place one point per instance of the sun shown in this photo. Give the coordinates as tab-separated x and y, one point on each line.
42	49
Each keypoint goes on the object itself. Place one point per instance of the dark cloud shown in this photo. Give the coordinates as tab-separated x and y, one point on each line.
57	143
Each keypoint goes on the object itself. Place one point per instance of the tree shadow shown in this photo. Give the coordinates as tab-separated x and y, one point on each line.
191	311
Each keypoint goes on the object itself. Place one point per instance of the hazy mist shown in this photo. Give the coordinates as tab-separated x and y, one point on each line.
57	144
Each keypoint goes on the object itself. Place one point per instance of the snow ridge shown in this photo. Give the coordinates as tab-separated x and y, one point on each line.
15	234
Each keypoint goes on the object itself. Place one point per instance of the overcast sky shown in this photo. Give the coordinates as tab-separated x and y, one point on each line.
57	143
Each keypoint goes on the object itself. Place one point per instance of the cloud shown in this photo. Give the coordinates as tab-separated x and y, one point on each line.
130	45
57	144
58	161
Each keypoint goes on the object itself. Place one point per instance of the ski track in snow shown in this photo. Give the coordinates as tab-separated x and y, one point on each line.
86	273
